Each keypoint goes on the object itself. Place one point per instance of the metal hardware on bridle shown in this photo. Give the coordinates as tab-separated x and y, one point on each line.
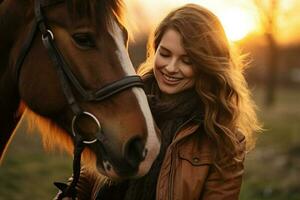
97	123
67	78
50	33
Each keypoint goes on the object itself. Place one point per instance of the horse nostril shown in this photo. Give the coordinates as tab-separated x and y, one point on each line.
134	151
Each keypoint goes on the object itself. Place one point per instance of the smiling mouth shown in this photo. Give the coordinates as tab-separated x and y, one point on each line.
171	79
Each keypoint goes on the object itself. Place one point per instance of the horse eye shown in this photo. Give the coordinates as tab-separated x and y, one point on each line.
84	40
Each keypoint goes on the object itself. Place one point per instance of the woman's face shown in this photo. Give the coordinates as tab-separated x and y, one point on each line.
172	66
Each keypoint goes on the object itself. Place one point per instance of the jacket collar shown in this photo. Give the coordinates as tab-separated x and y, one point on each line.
187	128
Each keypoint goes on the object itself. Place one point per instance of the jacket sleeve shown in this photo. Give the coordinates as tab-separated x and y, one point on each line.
225	184
92	186
88	185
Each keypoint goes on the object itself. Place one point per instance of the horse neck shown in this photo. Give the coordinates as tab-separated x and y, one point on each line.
12	22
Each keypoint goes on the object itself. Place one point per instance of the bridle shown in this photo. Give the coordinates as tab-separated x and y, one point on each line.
67	78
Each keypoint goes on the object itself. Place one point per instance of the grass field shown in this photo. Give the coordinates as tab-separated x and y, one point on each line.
272	169
28	172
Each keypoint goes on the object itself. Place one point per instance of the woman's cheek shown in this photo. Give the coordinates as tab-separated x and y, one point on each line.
159	62
188	71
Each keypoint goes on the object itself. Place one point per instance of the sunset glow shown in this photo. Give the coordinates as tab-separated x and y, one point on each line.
237	23
239	18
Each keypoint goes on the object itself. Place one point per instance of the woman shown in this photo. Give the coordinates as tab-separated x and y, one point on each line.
200	101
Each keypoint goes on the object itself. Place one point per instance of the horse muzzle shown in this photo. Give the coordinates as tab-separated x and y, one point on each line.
116	162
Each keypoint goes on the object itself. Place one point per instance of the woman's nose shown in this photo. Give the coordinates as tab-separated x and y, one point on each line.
172	66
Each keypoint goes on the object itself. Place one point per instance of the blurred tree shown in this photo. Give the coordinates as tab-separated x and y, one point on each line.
268	11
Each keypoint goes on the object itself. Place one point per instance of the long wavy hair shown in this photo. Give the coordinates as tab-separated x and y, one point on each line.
220	82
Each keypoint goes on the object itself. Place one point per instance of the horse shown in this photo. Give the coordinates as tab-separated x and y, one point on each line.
65	62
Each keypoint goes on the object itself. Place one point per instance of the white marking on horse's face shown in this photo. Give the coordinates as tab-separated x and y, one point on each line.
152	142
122	52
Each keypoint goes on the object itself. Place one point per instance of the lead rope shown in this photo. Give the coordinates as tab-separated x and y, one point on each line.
70	190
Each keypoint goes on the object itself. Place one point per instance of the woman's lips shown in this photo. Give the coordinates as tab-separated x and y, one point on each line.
171	80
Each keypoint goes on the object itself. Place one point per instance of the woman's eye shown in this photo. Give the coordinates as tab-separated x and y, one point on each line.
164	54
84	40
187	60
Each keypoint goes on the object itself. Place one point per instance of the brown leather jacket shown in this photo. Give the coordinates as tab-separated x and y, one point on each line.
187	172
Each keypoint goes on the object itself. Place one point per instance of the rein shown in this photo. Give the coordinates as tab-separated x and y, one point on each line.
67	78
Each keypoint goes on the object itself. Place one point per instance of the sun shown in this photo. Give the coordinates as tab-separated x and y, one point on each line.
237	23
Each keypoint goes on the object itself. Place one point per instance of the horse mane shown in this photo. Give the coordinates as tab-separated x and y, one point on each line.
98	12
55	138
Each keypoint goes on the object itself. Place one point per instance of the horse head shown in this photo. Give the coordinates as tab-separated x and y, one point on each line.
72	67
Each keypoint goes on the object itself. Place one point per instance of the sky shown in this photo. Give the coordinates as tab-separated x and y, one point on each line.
239	17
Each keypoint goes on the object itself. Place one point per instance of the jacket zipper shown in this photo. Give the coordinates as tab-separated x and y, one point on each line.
173	157
171	177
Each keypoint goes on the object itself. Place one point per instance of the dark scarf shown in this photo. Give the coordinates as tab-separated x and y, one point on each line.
169	116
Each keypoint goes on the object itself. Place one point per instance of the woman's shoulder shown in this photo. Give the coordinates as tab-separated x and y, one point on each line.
202	144
206	141
196	147
197	142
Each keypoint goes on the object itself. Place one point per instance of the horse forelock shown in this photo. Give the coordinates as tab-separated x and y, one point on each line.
99	12
55	138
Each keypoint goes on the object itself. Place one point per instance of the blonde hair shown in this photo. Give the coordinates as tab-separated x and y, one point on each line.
219	69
